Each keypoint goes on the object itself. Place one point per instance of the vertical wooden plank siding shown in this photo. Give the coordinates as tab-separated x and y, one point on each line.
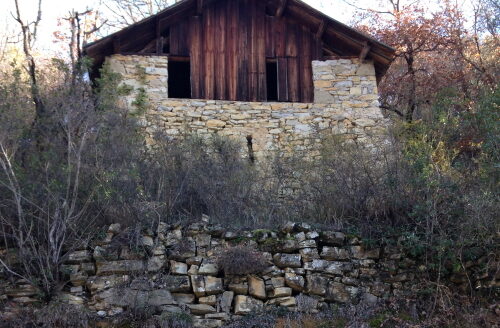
208	52
243	50
220	54
282	79
229	43
261	51
253	74
305	66
232	49
196	57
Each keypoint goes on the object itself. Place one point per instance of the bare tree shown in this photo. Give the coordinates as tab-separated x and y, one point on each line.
46	225
82	26
29	32
127	12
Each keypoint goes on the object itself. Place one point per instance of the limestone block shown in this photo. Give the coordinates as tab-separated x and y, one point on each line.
281	292
78	257
296	282
119	267
183	250
78	279
208	268
178	284
198	283
289	246
317	284
201	309
147	241
184	298
207	323
334	253
332	238
307	244
211	124
115	228
316	265
160	297
256	287
127	297
210	300
173	237
309	254
246	304
178	268
202	240
225	301
100	283
213	285
287	301
277	282
338	268
287	260
239	288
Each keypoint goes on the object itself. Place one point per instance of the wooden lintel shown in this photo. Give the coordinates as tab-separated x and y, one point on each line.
364	52
178	58
199	7
321	29
281	8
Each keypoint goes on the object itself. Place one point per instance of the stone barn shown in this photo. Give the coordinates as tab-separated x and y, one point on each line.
270	73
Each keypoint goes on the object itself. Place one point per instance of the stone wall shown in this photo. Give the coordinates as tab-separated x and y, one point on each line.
177	269
345	104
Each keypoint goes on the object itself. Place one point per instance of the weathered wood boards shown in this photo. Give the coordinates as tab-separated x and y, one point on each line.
229	44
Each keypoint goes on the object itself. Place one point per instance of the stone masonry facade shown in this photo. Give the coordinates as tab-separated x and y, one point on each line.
178	269
346	104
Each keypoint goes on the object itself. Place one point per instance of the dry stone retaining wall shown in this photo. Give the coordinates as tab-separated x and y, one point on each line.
346	103
177	268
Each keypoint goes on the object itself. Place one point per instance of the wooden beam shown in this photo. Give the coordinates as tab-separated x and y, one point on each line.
159	40
321	30
178	58
199	7
281	8
364	51
116	44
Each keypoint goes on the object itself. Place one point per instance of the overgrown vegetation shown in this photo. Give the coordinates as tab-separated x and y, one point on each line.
434	183
72	160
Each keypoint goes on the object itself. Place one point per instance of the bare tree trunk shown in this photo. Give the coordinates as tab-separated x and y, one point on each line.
412	102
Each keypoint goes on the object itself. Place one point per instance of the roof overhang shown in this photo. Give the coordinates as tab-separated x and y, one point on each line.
340	38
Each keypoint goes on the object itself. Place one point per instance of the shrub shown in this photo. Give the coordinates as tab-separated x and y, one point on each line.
54	315
241	260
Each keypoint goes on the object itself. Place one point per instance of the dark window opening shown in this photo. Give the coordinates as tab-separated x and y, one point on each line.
179	79
166	47
272	81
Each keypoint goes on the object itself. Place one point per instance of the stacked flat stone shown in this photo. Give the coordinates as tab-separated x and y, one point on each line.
176	269
346	103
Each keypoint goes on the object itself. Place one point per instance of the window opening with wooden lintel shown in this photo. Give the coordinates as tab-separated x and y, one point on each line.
179	77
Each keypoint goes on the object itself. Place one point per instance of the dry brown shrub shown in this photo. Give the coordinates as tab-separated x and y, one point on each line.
241	260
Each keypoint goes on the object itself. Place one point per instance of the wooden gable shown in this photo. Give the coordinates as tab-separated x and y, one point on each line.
231	43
